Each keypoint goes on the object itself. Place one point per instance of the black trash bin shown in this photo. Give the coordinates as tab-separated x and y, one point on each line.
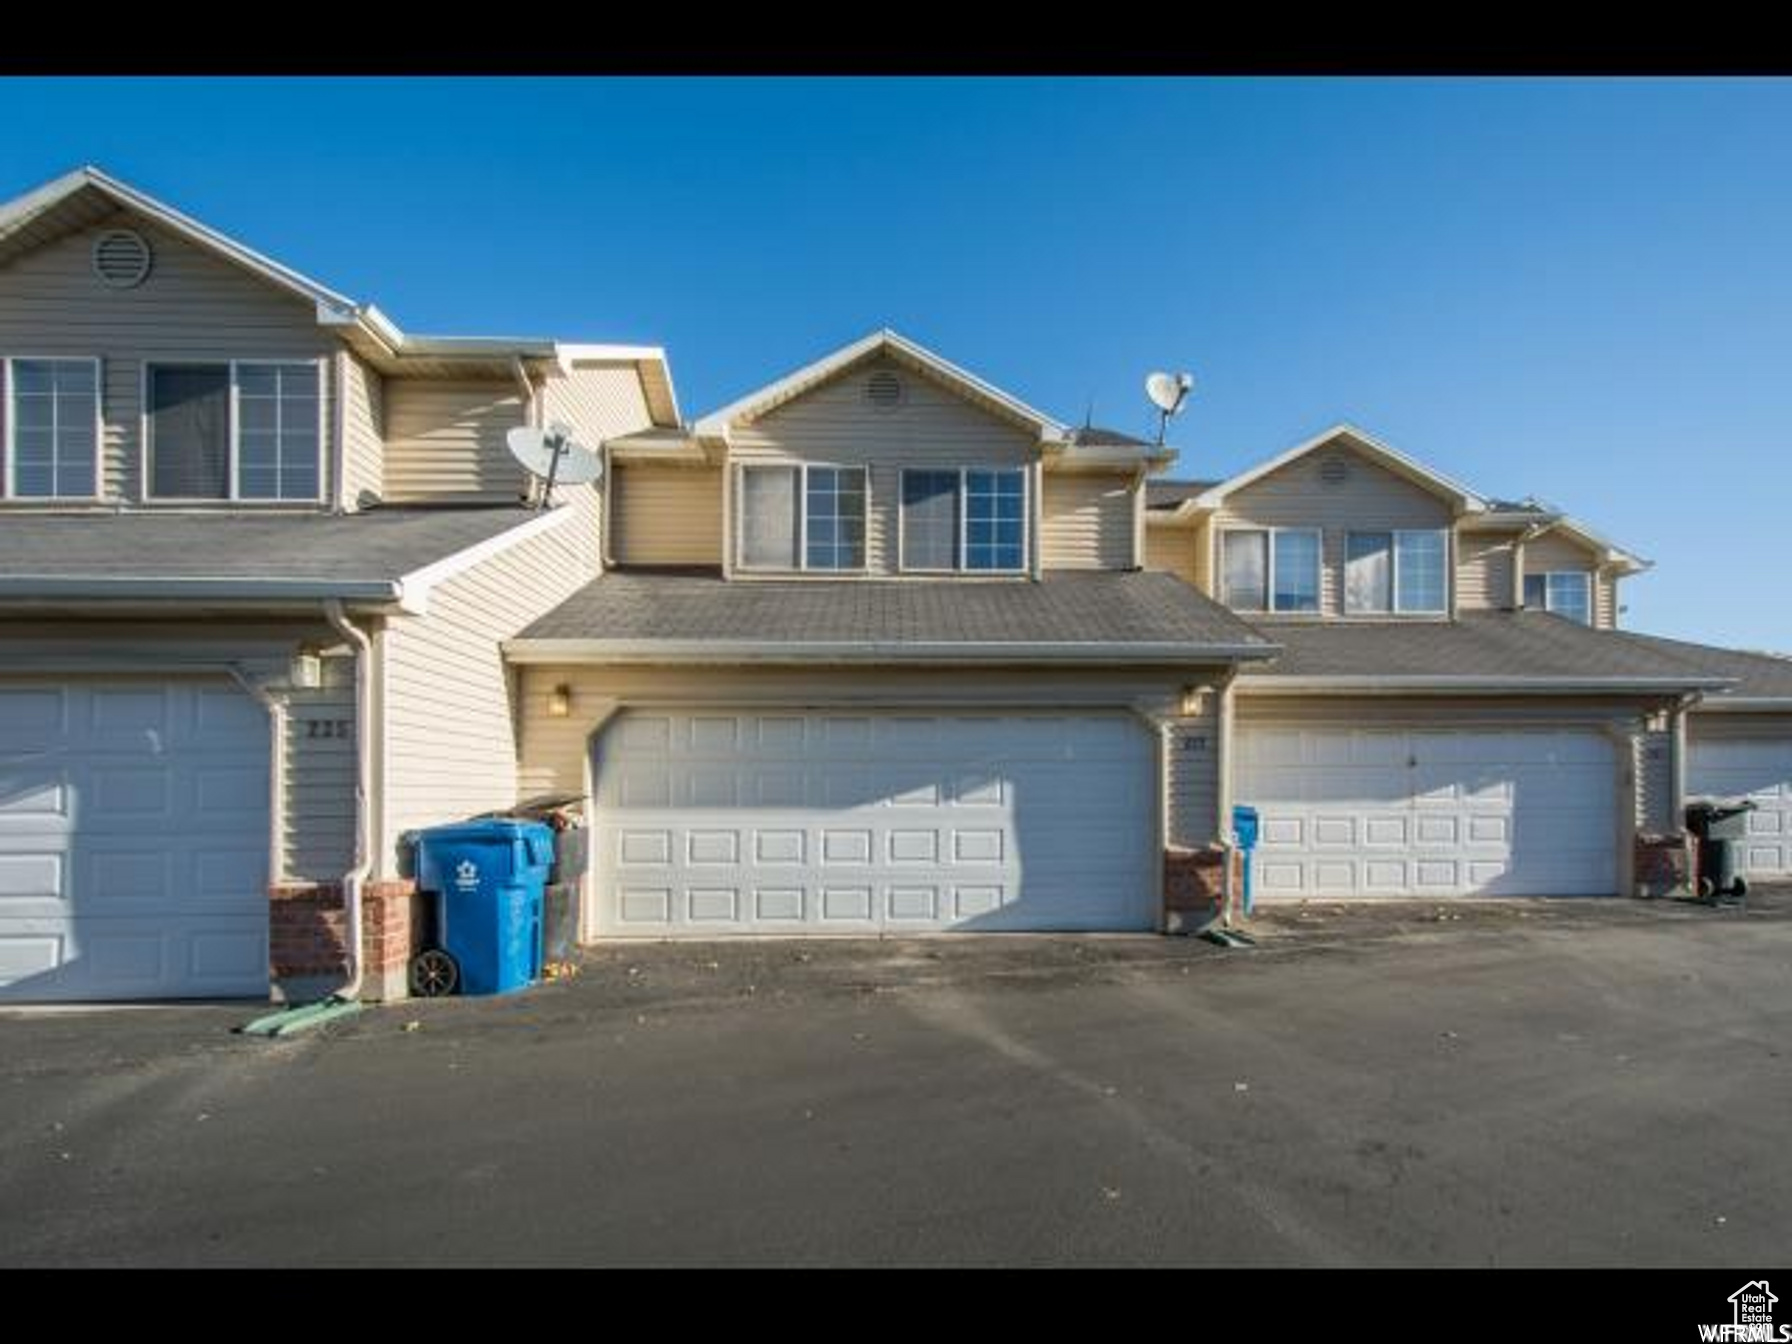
1718	826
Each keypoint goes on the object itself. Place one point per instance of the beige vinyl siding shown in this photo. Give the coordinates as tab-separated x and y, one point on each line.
599	400
555	750
834	425
1729	725
364	430
666	515
1551	553
1483	572
445	441
1369	499
1087	521
1172	549
320	776
450	729
192	308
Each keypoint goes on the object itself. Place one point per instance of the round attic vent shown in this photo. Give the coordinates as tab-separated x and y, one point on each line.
1334	470
883	390
121	258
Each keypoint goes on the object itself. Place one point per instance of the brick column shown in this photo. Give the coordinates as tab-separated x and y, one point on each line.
1195	886
308	948
1664	864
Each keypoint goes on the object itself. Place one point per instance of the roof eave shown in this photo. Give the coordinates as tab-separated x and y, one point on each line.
808	652
1271	684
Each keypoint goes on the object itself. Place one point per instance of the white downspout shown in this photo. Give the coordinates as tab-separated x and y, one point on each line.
356	878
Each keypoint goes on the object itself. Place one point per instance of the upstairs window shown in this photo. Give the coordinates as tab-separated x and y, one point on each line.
1402	572
52	428
802	518
1271	569
237	431
973	519
1566	592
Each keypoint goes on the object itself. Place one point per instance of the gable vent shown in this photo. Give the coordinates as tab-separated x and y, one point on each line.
1334	470
121	258
883	390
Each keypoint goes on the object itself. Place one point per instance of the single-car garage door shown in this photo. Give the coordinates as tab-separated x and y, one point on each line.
780	823
1350	811
1759	769
133	840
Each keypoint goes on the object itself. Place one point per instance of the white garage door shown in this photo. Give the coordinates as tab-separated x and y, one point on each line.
133	841
1757	768
799	823
1385	812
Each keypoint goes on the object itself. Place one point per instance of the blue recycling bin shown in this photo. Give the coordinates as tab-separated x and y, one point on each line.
488	878
1244	826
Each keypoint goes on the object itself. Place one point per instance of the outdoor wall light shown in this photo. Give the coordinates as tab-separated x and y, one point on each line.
560	701
1194	701
306	673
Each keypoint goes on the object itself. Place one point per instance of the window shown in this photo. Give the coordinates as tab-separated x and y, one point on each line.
1395	571
802	518
52	428
250	431
834	518
1566	592
1246	562
930	520
969	520
1296	570
1419	580
768	513
995	520
1271	569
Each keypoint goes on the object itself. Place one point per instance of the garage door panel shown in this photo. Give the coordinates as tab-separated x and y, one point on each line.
1759	769
860	822
1430	812
133	854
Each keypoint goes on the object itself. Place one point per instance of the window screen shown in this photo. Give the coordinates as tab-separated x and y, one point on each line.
54	417
768	517
1420	560
189	432
930	520
834	510
1245	564
995	520
1297	571
277	431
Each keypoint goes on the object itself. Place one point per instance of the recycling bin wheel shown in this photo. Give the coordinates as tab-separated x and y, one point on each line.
1741	888
433	974
1707	889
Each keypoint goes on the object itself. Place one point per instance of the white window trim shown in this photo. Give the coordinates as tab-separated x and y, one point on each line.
1586	582
802	518
1393	534
964	514
1269	607
320	364
8	488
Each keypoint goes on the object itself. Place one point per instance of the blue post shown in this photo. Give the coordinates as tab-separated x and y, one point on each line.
1244	826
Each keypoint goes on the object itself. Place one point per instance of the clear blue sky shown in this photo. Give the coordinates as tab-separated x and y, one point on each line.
1577	289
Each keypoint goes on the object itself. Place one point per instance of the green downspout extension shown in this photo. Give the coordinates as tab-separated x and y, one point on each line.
302	1018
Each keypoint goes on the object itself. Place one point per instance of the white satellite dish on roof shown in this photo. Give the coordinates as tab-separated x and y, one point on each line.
1167	392
553	455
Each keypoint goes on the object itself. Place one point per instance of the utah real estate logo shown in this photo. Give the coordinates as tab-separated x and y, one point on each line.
1751	1319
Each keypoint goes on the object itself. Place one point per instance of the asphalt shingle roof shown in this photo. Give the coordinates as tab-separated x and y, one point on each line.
1760	676
379	545
1097	611
1168	494
1477	646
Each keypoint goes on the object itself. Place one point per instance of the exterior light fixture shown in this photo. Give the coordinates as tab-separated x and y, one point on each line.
560	701
306	672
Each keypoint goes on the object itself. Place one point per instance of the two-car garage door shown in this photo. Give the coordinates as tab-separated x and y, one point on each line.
133	840
1349	810
791	822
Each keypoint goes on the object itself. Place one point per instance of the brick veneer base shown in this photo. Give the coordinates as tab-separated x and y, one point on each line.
1664	864
1195	886
308	938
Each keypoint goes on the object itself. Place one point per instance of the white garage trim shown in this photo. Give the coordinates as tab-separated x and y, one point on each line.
910	877
1757	767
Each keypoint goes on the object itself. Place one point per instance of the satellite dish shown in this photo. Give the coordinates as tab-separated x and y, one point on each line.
553	455
1167	392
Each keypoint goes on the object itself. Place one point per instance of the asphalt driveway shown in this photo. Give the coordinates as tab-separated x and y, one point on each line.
1536	1083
